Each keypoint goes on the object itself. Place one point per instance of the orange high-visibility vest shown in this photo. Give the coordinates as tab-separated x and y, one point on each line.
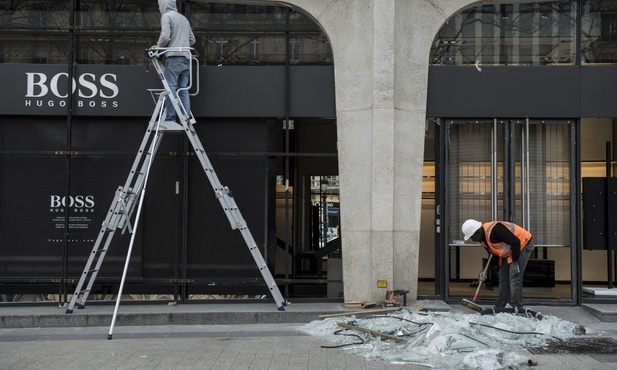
501	249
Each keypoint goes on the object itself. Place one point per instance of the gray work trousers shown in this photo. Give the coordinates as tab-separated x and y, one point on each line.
511	289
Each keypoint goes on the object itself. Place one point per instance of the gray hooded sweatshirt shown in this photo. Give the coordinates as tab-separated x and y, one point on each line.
175	28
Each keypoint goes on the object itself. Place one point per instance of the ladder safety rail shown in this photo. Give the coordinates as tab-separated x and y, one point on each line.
191	54
129	197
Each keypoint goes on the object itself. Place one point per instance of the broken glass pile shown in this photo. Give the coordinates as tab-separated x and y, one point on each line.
444	340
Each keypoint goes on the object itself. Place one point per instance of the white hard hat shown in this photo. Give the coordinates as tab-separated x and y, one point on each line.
470	227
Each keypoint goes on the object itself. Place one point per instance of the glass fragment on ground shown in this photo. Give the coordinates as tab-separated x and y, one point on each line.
445	340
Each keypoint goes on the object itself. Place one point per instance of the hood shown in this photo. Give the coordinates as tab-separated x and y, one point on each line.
167	6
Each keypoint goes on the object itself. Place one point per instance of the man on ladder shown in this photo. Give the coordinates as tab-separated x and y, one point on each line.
130	196
175	32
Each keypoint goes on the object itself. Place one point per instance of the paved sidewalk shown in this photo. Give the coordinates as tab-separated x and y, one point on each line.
256	346
246	345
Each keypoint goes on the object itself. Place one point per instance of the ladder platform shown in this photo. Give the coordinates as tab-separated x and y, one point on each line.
170	126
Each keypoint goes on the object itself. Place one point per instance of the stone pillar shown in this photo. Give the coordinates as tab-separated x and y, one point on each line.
381	55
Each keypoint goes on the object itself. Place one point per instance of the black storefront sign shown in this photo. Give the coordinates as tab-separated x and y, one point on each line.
112	90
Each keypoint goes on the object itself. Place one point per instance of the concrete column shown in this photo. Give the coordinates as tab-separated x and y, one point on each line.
381	55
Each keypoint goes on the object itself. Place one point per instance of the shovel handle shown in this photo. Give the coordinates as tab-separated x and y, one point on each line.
480	280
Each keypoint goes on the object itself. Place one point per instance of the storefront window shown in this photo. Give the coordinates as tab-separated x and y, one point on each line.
234	17
599	31
117	32
110	49
43	48
35	13
235	34
509	34
133	14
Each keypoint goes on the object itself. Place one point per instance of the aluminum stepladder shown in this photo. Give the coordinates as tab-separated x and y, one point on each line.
131	195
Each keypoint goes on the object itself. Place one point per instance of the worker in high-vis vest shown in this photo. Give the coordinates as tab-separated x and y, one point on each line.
513	245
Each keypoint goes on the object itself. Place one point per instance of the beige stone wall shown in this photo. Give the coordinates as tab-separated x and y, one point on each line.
381	52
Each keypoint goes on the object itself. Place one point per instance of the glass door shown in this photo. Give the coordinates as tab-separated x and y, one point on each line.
511	170
473	185
543	168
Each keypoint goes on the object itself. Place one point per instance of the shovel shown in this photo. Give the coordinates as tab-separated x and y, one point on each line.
471	304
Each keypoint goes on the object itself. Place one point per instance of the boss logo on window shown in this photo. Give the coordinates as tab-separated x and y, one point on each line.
78	203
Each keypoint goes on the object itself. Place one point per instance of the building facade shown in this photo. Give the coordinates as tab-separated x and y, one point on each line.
417	114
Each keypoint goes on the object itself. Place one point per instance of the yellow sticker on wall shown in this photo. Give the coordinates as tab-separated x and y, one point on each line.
382	283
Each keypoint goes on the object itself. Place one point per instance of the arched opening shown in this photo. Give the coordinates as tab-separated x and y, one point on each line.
513	143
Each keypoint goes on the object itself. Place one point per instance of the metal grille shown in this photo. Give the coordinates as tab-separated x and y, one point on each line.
541	185
470	184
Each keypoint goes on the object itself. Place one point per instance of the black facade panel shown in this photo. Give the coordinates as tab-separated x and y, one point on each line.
241	92
312	92
34	183
105	135
596	226
598	86
215	249
504	92
31	226
316	137
25	134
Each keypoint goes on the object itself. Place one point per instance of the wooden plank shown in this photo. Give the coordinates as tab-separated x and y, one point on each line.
364	312
372	332
418	305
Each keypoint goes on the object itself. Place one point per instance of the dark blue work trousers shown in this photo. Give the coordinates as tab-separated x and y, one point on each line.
511	289
177	76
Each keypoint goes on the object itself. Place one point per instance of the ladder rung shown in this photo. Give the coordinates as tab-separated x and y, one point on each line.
93	270
84	291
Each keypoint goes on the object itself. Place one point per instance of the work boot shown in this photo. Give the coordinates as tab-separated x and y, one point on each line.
519	309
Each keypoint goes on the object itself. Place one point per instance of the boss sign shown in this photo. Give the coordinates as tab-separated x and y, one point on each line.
92	91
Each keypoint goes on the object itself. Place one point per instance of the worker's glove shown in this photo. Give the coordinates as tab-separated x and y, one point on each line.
482	276
514	269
